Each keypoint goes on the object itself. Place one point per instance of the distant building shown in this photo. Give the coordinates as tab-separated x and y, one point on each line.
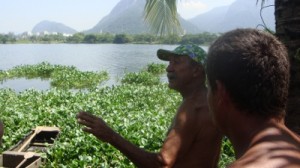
66	35
44	33
26	34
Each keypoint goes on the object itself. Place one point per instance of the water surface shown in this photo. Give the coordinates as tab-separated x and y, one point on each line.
116	59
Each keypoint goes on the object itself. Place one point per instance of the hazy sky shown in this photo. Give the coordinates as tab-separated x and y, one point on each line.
22	15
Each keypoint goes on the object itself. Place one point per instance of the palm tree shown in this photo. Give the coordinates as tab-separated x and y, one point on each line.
162	16
163	19
287	16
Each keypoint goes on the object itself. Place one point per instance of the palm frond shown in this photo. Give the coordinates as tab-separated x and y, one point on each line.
162	17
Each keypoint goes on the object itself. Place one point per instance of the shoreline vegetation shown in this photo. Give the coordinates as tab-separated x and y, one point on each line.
140	109
201	39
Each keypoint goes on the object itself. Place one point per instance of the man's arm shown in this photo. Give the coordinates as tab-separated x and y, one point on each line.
102	131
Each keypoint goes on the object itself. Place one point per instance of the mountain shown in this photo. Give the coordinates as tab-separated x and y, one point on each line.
209	21
128	17
125	17
52	27
240	14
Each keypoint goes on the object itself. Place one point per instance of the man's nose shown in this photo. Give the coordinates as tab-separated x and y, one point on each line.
169	68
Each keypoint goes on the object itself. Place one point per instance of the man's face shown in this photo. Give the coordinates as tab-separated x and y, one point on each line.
179	72
218	106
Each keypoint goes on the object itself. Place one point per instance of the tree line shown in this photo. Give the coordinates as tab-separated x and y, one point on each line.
201	39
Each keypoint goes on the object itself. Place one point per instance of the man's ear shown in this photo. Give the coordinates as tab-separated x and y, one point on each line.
198	70
222	92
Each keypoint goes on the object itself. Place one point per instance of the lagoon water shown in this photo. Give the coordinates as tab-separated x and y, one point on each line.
116	59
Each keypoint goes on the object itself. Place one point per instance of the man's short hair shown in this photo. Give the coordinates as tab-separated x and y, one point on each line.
254	68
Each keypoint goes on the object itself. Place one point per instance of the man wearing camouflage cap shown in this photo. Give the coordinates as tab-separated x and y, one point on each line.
192	140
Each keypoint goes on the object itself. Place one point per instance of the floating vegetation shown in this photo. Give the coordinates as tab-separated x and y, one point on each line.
156	69
142	114
65	77
148	76
143	77
140	109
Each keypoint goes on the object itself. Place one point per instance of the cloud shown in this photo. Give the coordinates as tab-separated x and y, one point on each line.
191	8
192	5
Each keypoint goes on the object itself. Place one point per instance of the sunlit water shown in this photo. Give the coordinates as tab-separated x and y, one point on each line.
116	59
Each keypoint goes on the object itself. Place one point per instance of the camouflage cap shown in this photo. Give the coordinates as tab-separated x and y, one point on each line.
193	51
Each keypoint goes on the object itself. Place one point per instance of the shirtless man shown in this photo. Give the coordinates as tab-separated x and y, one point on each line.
193	140
248	78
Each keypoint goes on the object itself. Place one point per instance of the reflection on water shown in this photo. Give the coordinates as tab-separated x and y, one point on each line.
21	84
116	59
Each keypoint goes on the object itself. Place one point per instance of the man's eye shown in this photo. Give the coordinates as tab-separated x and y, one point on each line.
176	61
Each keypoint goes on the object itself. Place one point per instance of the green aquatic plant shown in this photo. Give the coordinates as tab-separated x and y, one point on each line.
41	70
227	153
60	76
140	113
143	77
72	78
156	68
141	109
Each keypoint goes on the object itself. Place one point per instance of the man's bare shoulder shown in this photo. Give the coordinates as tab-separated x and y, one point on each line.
279	161
281	150
194	113
269	160
195	109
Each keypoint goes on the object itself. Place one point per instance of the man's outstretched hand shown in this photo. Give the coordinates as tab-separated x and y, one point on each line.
95	125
